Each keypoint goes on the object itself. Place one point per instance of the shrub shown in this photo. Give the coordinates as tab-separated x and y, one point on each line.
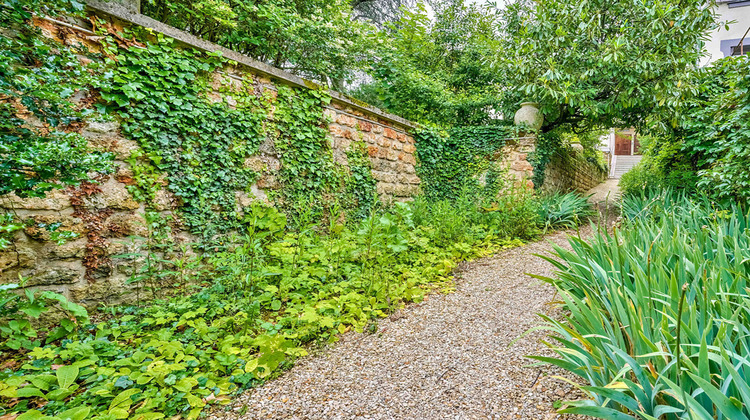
664	165
657	313
707	142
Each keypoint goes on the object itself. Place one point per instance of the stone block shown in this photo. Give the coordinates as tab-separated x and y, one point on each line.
102	127
409	148
110	291
397	145
53	200
372	151
127	224
165	200
341	143
267	147
384	188
392	155
38	228
113	196
346	120
413	179
390	133
408	158
339	157
377	128
72	249
56	274
255	163
370	138
364	126
268	182
8	259
521	165
329	114
384	142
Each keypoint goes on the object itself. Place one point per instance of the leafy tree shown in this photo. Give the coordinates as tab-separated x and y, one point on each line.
313	38
383	11
709	146
600	62
715	127
436	70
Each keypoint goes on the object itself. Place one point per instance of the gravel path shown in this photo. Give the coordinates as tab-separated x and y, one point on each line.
448	357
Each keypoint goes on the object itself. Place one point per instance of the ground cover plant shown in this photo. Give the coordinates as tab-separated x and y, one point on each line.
263	299
657	312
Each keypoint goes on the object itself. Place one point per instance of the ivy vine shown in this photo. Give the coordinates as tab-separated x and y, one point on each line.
160	93
38	79
452	162
547	144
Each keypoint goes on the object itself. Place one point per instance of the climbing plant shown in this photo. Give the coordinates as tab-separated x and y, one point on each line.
360	184
160	93
452	161
547	144
39	146
307	169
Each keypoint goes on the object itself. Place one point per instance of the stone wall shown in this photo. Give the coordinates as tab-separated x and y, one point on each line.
569	170
95	267
515	157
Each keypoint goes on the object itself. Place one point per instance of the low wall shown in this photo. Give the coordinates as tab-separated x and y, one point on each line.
104	214
568	170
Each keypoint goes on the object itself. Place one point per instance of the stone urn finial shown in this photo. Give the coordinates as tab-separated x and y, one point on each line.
529	114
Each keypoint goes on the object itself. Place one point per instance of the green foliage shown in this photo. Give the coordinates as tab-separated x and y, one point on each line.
664	165
361	184
599	63
270	292
308	174
547	145
160	94
40	79
715	129
435	69
312	38
201	147
16	330
564	211
8	226
657	312
452	162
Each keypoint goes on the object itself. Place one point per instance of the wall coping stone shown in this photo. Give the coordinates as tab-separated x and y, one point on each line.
125	14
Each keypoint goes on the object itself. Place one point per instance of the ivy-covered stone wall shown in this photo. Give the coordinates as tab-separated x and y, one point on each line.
301	142
568	170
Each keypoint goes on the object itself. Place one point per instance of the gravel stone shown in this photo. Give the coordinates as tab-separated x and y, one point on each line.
452	356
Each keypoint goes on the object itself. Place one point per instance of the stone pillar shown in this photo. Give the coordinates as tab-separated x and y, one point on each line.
516	158
517	154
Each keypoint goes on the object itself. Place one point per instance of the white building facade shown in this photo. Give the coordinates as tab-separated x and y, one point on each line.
723	42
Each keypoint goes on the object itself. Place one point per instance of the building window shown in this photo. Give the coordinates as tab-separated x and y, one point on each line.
741	49
730	46
733	4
